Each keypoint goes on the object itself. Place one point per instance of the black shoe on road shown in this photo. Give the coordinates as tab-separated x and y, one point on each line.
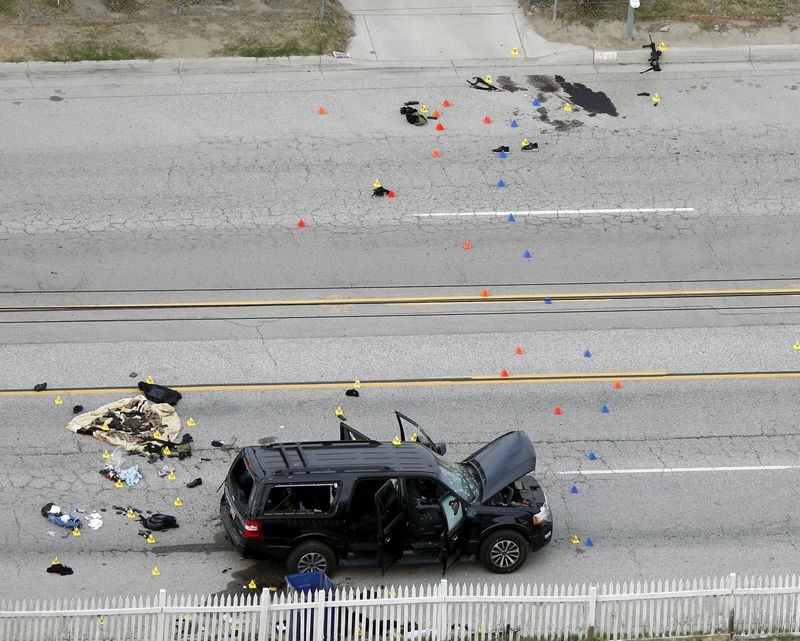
501	148
530	146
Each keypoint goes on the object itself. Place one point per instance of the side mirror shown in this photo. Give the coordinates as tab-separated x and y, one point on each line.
441	449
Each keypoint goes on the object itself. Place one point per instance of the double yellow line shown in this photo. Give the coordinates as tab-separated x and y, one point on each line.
430	382
412	300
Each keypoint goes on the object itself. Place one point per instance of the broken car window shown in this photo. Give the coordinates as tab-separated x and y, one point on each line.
242	484
316	498
458	479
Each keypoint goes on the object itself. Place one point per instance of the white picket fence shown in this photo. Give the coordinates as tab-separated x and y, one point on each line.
747	606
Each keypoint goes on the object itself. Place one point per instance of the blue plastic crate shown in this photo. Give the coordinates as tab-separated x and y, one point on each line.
301	623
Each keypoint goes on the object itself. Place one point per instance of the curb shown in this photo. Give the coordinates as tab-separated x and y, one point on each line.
31	74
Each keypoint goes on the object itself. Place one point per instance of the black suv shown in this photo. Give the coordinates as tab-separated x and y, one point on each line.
317	504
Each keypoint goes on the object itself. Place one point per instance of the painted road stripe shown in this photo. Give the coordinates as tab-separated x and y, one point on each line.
491	379
416	300
559	212
681	470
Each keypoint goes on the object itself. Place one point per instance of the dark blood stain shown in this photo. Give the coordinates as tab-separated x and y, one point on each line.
543	114
56	98
566	125
545	84
506	83
595	102
17	102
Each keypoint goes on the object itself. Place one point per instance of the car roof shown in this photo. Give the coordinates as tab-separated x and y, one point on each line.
293	460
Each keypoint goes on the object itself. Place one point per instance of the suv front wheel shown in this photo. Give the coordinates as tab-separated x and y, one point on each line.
503	552
311	556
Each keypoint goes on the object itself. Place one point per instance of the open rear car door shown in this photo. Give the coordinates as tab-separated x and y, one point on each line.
392	524
411	431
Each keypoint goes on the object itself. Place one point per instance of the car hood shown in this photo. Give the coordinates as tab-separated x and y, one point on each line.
503	461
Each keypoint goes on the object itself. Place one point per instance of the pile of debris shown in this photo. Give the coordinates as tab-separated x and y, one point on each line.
135	424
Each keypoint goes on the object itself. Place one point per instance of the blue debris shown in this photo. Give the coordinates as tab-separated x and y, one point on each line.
527	254
587	354
592	456
536	102
589	543
604	409
573	489
502	154
514	123
511	218
548	300
501	183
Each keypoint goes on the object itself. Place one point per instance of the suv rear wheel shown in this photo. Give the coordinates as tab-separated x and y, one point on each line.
503	552
311	556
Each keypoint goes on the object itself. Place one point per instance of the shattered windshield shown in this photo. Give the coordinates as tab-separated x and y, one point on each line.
458	479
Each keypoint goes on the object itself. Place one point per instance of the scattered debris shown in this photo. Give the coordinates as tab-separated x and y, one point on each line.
643	93
195	482
480	83
165	470
159	393
351	392
340	54
380	191
133	375
77	409
95	521
40	387
135	424
59	568
63	519
412	114
158	522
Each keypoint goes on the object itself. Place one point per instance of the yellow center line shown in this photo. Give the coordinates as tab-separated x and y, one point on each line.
488	379
416	299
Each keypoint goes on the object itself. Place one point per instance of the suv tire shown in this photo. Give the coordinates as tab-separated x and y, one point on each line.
311	556
503	552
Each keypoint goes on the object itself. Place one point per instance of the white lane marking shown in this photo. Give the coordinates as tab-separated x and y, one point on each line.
678	470
558	212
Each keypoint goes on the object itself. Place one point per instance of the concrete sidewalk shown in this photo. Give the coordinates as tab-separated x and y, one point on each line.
387	30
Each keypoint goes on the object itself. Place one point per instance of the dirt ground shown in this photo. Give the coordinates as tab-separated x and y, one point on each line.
150	28
708	33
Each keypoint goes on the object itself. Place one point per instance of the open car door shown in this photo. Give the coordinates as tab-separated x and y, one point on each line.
411	431
454	538
392	524
347	433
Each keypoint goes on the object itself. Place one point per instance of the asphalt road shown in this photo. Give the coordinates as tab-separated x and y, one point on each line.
163	195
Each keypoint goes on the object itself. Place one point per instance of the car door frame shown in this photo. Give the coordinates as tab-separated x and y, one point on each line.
347	433
454	539
426	440
395	527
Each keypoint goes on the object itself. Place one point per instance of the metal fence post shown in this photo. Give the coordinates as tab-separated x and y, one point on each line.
591	615
711	6
731	603
321	9
161	621
555	10
177	8
263	616
629	29
30	9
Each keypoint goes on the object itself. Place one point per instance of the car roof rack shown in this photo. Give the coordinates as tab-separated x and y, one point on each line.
289	471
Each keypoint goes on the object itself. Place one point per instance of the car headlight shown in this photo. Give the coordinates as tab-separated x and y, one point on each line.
543	515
